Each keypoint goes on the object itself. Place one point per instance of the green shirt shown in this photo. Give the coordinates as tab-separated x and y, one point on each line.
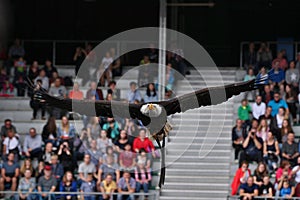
243	112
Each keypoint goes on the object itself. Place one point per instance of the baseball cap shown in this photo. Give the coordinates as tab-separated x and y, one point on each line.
47	167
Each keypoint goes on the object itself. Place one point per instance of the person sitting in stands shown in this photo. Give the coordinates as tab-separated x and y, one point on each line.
134	93
143	178
107	187
240	177
75	93
253	147
276	123
238	135
112	128
248	190
126	187
58	90
127	159
103	141
32	145
27	164
4	129
11	144
113	91
57	168
26	184
37	105
243	113
65	157
266	189
290	150
88	186
66	131
109	168
49	151
263	129
86	167
9	173
143	142
49	133
271	152
259	173
68	184
95	153
267	94
258	107
94	93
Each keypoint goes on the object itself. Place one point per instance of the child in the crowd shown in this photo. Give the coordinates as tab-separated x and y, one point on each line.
286	189
88	187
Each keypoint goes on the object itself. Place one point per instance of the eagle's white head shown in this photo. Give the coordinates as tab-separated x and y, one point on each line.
151	110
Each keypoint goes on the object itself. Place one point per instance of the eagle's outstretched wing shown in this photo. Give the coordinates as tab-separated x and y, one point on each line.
208	96
91	108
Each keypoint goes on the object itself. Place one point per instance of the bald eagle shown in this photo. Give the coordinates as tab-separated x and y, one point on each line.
153	115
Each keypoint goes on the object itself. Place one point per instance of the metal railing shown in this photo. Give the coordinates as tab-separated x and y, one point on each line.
261	197
152	195
272	44
61	52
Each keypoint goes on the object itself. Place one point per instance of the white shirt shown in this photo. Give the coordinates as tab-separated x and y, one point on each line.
297	177
11	144
106	62
258	110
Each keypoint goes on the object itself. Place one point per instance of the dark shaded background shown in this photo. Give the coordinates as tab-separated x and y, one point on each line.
219	29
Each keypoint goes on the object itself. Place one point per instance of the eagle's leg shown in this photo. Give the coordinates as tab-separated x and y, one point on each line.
160	136
163	167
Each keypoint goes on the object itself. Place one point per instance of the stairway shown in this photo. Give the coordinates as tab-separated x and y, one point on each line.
199	151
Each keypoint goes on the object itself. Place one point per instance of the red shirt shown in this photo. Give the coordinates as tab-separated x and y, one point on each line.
146	144
76	95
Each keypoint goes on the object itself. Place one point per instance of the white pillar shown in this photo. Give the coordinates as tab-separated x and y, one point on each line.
162	48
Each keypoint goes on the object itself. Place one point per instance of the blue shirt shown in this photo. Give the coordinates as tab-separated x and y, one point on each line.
248	189
277	76
285	191
276	105
132	96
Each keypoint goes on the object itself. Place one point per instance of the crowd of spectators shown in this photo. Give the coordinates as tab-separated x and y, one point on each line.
101	158
264	133
109	155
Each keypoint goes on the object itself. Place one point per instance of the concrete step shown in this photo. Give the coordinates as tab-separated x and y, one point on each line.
196	186
203	125
197	165
196	152
195	146
196	179
198	172
194	193
200	115
192	135
208	140
201	119
24	115
15	103
208	158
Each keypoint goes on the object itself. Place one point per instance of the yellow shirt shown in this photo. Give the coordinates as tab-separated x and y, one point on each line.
109	187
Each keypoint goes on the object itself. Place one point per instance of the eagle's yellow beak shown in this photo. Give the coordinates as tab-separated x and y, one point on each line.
150	106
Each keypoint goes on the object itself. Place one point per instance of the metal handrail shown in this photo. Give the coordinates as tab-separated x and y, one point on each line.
229	197
152	193
55	42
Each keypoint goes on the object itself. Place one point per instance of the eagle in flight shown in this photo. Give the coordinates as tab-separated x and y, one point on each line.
153	115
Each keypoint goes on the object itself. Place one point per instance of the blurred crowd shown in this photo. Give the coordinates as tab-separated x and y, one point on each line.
263	134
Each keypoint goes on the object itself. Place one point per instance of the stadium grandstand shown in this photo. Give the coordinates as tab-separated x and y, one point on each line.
245	148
